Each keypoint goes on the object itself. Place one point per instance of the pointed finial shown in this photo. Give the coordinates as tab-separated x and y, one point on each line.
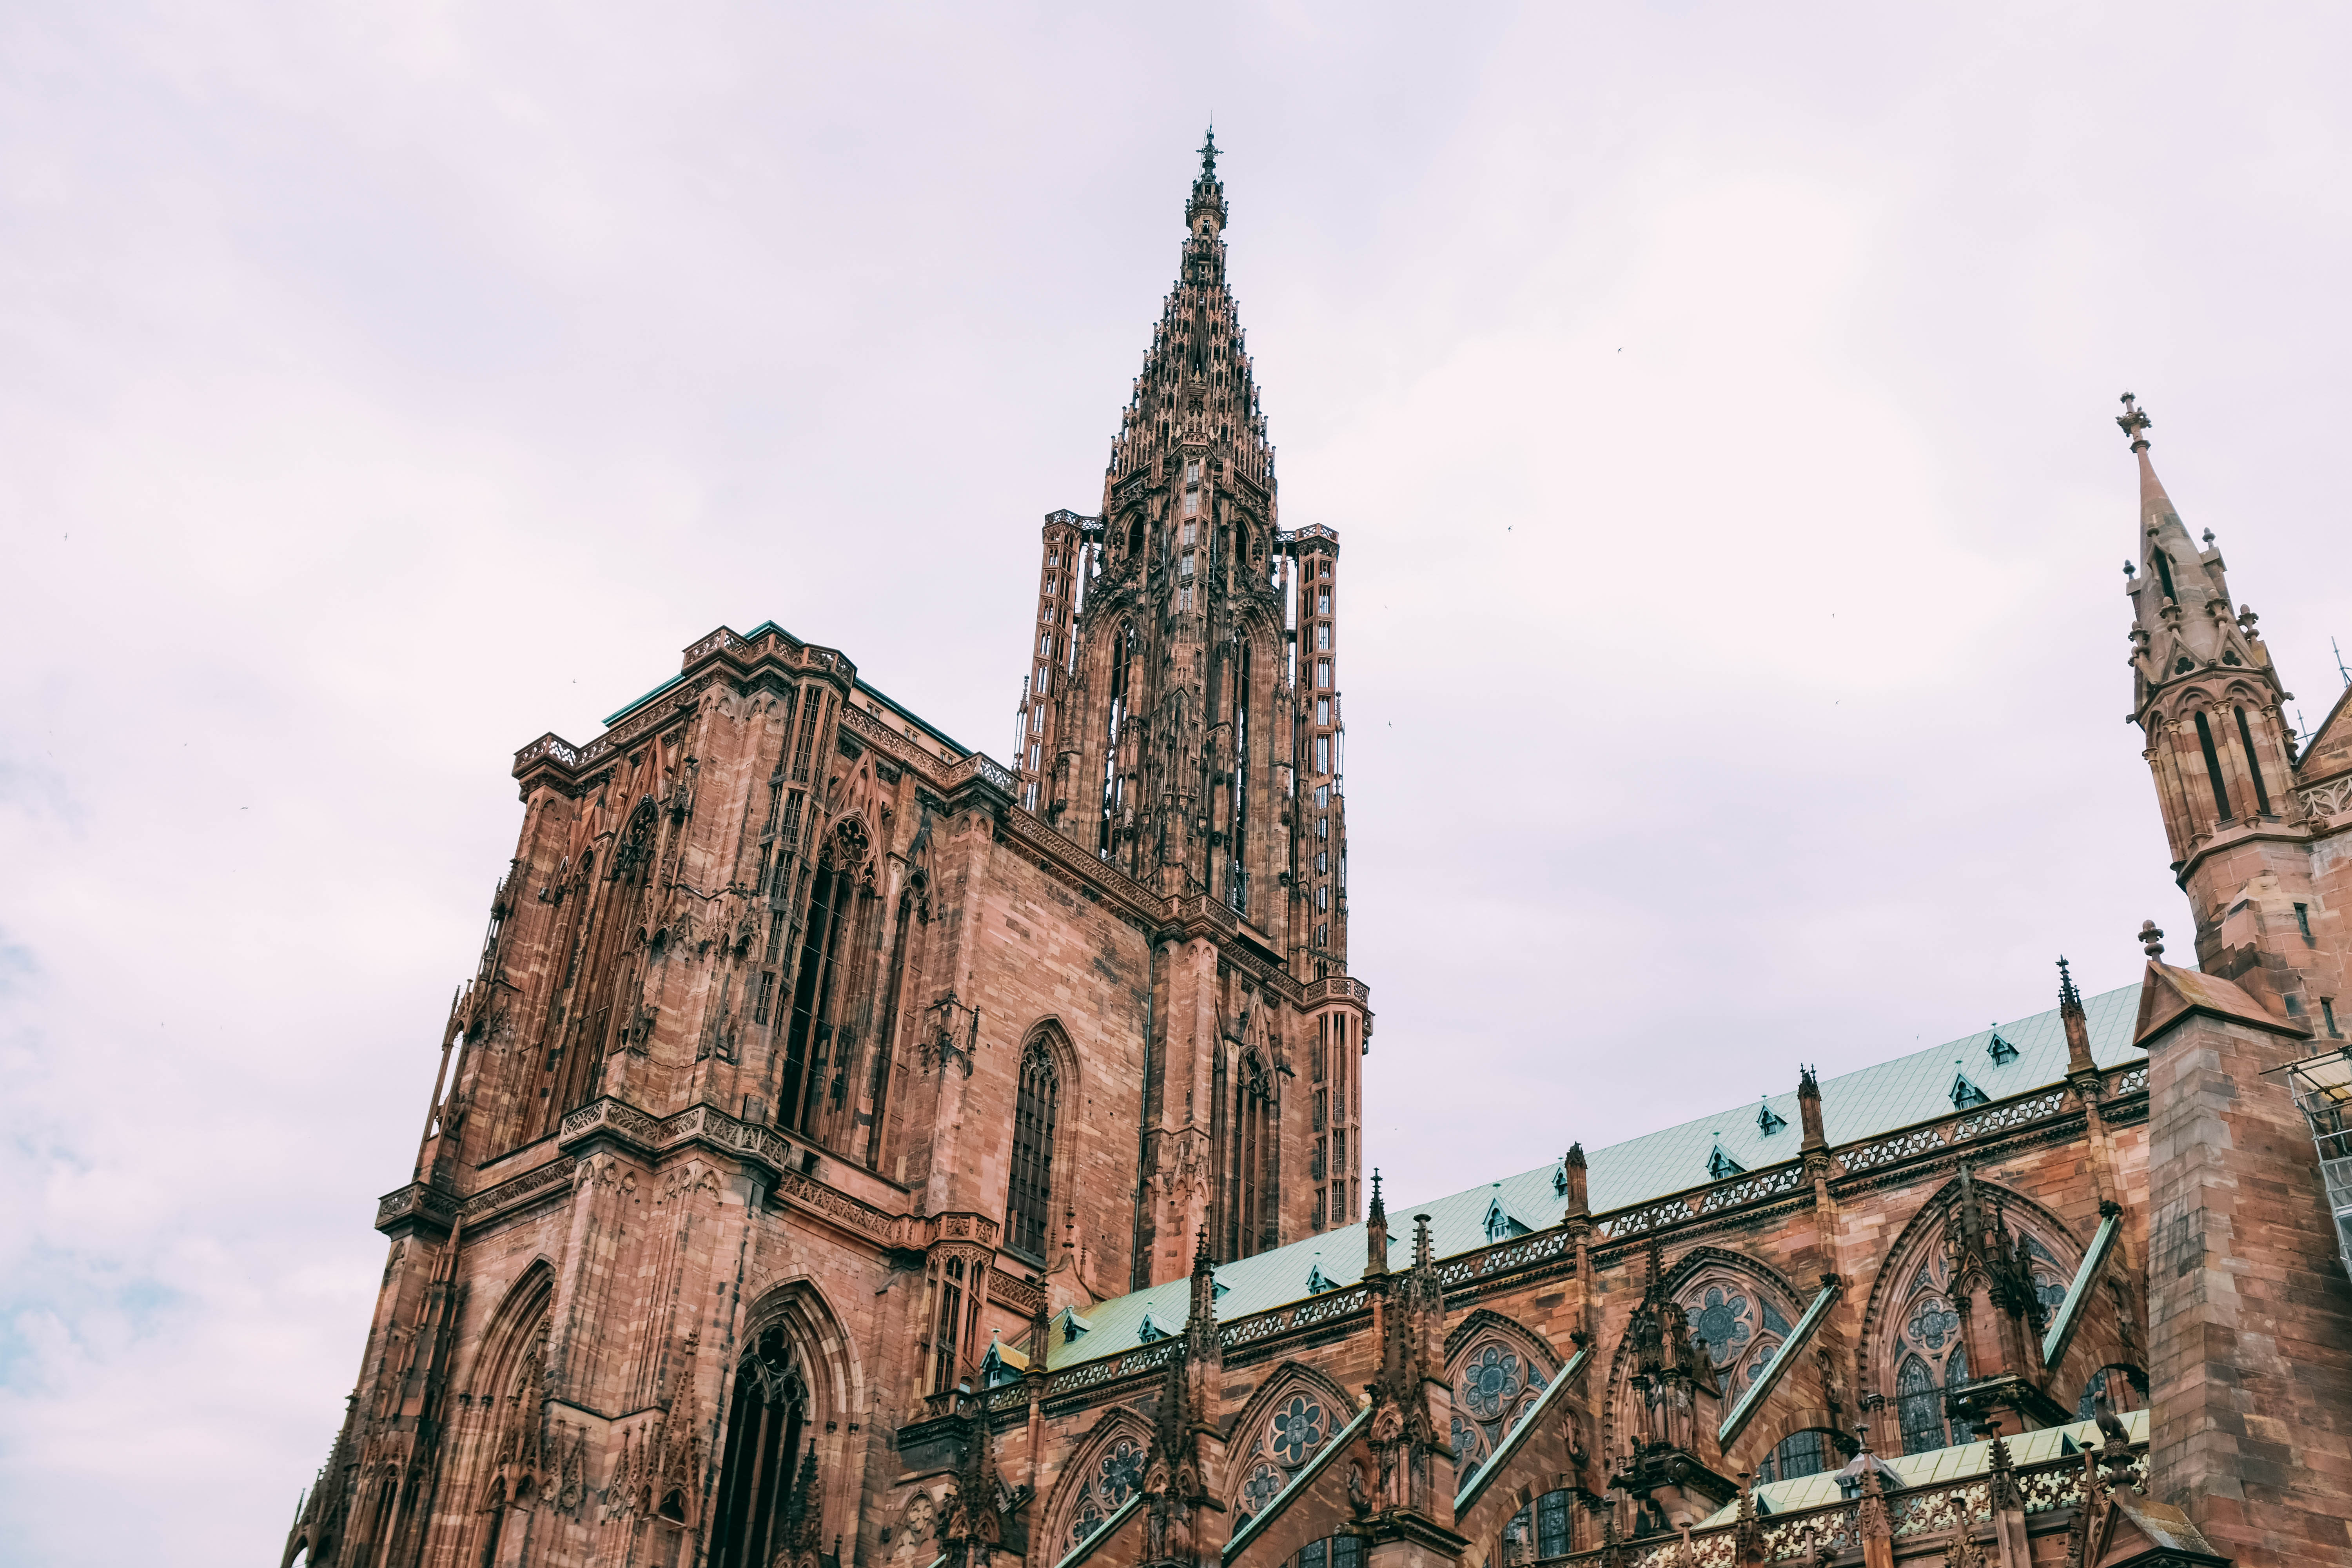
1202	1261
1380	1210
2152	939
2069	999
2135	423
1209	153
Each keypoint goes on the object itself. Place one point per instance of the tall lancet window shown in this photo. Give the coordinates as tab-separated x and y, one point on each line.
1029	1200
1236	872
767	1476
2212	766
1122	658
1248	1113
2253	764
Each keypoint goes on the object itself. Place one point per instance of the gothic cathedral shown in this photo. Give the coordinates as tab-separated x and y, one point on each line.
853	1152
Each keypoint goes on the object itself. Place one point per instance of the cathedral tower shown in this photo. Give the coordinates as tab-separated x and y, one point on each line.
2250	1327
1181	720
2228	778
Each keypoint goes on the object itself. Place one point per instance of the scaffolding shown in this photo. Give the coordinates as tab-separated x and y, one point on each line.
2323	1088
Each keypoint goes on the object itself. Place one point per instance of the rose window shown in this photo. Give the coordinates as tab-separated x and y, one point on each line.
1722	1320
1298	1429
1932	1325
1260	1490
1121	1472
1491	1381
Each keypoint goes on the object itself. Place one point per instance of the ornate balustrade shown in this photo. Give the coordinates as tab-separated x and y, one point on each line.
1915	1514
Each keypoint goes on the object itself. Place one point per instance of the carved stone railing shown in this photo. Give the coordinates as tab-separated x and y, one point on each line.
2330	798
1891	1151
1738	1192
1918	1515
2012	1113
1503	1258
2131	1080
1337	988
2043	1105
1761	1187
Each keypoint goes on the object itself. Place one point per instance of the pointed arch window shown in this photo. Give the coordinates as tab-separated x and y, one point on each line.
2212	766
2253	765
2164	571
2000	1050
1965	1095
1721	1166
767	1479
1919	1406
1029	1200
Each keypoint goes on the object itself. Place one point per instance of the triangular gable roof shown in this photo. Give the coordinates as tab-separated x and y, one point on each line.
2329	747
2170	995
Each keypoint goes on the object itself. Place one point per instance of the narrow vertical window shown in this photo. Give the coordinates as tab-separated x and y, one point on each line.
951	1324
2254	767
2303	919
1029	1201
2213	766
2164	571
1323	673
1322	635
806	740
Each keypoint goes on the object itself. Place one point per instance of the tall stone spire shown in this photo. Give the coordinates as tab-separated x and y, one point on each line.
2203	690
1196	380
1181	722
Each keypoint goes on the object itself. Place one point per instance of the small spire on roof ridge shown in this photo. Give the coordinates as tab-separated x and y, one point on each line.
1377	1207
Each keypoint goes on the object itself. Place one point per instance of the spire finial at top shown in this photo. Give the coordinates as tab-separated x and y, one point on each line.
2067	995
1209	152
2135	423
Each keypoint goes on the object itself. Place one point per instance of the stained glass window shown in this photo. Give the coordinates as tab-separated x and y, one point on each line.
1919	1409
1264	1482
1722	1320
1553	1524
1490	1381
1299	1430
1491	1394
1799	1453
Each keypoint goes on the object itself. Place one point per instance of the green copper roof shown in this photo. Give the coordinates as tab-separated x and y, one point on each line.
1865	1103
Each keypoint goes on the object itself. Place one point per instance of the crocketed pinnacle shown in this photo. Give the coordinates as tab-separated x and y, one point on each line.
1196	387
2181	617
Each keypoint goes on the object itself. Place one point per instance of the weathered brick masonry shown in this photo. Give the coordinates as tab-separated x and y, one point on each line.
849	1149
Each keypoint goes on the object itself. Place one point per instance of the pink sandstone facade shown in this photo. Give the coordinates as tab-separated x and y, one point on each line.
850	1150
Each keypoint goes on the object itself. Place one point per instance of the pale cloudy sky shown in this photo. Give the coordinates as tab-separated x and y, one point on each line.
1715	402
